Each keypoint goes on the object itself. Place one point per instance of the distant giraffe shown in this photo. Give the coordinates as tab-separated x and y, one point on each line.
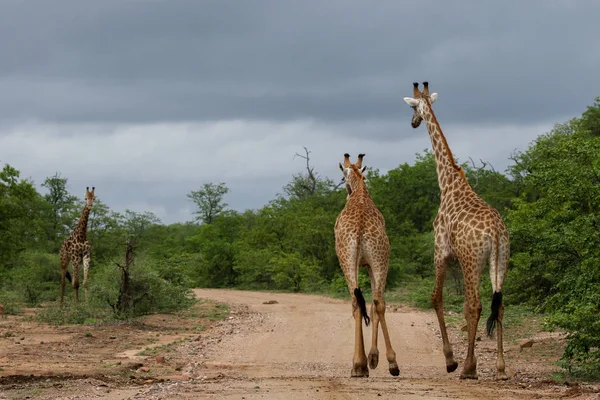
76	249
468	229
361	240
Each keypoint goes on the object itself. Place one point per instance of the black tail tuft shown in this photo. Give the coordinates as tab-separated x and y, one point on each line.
362	304
68	276
491	322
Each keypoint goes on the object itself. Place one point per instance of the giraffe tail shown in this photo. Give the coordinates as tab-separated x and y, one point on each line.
68	276
362	304
491	322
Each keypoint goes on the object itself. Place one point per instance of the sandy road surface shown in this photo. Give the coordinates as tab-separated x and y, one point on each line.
302	346
299	347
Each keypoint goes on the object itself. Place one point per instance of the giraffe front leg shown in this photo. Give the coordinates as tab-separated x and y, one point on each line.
63	274
86	268
75	278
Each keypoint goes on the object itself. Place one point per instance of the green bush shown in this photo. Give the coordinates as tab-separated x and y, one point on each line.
37	277
153	287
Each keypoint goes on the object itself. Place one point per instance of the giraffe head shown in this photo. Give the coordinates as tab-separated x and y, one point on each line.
420	102
353	173
89	196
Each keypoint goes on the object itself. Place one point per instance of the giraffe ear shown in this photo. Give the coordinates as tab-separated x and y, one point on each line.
363	169
411	102
342	168
433	97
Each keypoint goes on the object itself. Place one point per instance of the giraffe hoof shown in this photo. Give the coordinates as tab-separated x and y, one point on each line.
501	376
452	367
373	359
472	375
394	370
360	372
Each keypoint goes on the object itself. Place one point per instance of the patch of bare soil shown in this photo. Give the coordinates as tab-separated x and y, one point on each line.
271	346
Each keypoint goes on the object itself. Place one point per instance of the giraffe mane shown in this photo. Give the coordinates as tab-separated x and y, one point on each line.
457	167
357	171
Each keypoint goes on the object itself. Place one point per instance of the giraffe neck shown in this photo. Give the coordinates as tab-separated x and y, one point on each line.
360	192
449	174
81	229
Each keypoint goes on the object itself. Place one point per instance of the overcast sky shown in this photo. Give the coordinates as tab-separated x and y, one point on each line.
148	100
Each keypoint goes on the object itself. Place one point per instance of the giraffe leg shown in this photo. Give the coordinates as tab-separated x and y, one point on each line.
389	351
472	310
373	358
86	268
500	366
63	273
438	303
64	264
359	362
75	278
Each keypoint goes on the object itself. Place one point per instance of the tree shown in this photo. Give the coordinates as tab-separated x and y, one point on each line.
308	184
136	223
209	200
21	225
555	236
62	206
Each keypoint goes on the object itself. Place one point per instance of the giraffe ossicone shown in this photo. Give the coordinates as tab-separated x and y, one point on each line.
361	240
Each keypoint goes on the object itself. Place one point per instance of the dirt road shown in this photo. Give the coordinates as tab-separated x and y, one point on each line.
301	348
297	347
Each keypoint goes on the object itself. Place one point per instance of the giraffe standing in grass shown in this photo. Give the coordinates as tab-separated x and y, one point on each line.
468	229
361	240
76	250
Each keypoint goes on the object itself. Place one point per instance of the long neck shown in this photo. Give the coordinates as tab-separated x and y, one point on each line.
81	229
360	191
449	174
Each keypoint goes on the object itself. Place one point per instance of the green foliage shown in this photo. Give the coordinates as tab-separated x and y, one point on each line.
61	210
555	234
71	313
20	209
37	278
155	286
209	200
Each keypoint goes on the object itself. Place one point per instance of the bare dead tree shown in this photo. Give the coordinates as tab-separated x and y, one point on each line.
484	166
124	301
309	185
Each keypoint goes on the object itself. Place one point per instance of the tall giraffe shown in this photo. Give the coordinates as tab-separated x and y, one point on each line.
361	240
76	249
468	229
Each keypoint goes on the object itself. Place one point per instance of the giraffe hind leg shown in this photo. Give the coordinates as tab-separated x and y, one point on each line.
378	315
373	359
390	353
472	310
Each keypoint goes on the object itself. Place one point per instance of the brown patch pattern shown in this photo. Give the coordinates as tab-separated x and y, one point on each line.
361	240
467	229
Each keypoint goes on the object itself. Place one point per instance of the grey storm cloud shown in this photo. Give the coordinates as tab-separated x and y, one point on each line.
148	61
149	99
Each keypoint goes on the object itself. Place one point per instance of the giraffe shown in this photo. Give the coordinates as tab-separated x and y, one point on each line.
361	240
466	228
75	249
